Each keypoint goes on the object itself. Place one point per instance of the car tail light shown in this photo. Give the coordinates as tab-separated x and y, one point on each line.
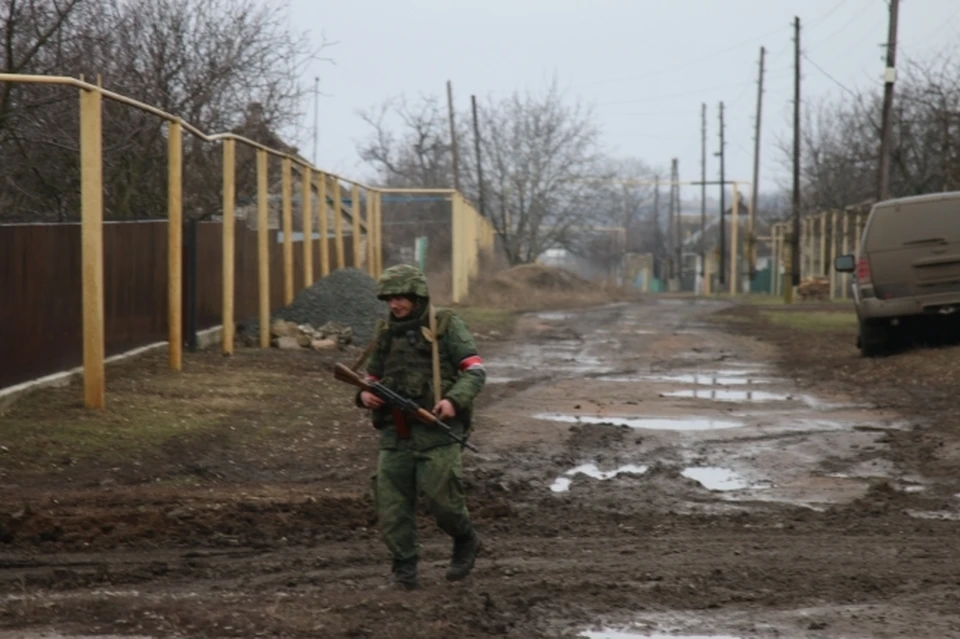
863	270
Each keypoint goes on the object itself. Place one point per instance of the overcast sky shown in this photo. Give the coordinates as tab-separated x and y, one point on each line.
645	66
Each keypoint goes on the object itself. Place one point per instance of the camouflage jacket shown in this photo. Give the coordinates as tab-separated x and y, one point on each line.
402	361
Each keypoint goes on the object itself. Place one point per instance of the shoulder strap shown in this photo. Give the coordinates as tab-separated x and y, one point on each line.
379	330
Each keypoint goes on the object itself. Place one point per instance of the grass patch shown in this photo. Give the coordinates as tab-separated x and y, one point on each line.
154	415
483	319
40	438
812	320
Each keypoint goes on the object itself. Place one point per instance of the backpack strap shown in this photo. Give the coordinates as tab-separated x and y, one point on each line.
435	355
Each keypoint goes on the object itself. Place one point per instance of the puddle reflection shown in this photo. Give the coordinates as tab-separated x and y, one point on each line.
652	423
619	634
731	378
729	395
716	478
562	484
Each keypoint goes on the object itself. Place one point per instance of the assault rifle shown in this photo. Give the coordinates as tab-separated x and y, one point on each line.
344	374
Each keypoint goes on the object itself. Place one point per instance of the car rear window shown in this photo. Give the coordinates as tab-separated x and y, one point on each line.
913	224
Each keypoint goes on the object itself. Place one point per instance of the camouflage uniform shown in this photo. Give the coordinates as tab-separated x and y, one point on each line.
416	458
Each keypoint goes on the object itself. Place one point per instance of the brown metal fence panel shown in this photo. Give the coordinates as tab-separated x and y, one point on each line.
40	294
39	300
135	284
40	289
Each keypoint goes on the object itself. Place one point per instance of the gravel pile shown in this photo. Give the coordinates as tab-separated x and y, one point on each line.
348	296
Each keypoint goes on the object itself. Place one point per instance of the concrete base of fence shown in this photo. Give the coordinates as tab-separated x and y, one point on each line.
8	396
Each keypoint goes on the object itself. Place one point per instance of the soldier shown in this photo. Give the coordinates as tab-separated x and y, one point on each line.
414	457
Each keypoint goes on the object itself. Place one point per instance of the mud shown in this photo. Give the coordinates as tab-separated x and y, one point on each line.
821	512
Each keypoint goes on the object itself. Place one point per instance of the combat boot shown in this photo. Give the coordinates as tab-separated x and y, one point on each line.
405	574
465	551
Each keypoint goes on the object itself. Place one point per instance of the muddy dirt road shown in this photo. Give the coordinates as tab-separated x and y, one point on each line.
644	473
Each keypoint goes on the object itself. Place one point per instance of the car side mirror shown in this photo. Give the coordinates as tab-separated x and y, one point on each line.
845	264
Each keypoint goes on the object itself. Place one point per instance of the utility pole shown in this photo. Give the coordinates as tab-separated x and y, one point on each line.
453	137
889	76
703	189
316	116
721	269
795	235
751	233
677	239
476	143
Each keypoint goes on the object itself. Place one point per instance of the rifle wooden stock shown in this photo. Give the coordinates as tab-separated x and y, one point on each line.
345	374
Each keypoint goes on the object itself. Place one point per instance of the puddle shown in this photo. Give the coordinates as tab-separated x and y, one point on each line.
652	423
562	484
716	478
729	395
934	514
732	378
818	404
500	379
554	316
620	634
563	357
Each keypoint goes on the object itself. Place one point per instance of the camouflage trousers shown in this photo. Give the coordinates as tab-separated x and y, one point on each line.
403	475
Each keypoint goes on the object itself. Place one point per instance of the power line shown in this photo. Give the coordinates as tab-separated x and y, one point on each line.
869	4
690	63
943	25
677	95
829	77
826	15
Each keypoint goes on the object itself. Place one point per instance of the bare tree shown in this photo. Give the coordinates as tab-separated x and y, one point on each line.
410	143
204	60
543	157
540	158
841	139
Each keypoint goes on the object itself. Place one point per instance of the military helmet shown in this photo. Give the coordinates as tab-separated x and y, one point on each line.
402	279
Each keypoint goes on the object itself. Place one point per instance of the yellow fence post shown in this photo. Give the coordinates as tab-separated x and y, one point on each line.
812	246
788	266
229	241
378	232
91	233
338	222
804	253
824	270
175	244
306	211
355	219
371	247
263	248
845	279
734	228
778	276
775	261
456	245
287	213
324	225
833	254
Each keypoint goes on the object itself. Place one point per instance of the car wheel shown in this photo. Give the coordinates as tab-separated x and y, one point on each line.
874	338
